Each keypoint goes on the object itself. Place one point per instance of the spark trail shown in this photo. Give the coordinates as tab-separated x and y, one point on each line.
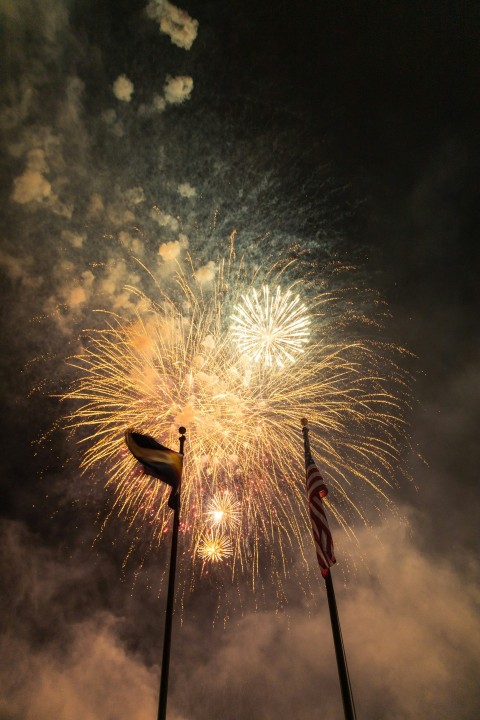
178	363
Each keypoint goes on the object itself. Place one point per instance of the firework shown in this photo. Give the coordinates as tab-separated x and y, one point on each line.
270	327
214	546
224	510
178	362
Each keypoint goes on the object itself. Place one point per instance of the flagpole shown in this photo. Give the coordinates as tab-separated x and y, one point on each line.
347	697
343	676
167	638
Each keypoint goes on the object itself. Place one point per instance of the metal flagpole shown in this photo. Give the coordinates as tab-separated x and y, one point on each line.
167	638
347	697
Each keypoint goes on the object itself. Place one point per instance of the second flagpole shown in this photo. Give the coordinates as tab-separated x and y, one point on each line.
343	676
347	698
167	638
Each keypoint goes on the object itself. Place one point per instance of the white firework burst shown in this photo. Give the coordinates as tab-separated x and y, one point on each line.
224	510
270	327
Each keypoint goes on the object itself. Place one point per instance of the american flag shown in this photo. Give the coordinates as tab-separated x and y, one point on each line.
316	490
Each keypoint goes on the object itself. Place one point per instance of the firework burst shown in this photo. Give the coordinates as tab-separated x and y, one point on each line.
178	363
270	327
224	510
214	546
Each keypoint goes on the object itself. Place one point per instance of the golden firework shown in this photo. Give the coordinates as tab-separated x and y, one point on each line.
224	510
214	546
177	363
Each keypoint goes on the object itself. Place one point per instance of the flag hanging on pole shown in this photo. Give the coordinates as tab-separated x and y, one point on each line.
157	460
316	490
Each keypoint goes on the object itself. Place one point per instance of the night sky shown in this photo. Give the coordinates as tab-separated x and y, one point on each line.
349	130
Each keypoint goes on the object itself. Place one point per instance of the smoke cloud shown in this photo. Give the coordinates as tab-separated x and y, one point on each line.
174	22
186	190
30	186
123	88
178	89
171	250
206	273
410	638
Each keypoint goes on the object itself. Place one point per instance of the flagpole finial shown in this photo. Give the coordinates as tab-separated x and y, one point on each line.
182	432
306	441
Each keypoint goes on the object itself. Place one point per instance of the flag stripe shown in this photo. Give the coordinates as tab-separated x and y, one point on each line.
322	536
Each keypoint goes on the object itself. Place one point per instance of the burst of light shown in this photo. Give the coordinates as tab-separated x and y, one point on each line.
270	327
224	510
177	364
214	546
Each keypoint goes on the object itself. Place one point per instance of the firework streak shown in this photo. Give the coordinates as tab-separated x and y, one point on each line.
180	362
